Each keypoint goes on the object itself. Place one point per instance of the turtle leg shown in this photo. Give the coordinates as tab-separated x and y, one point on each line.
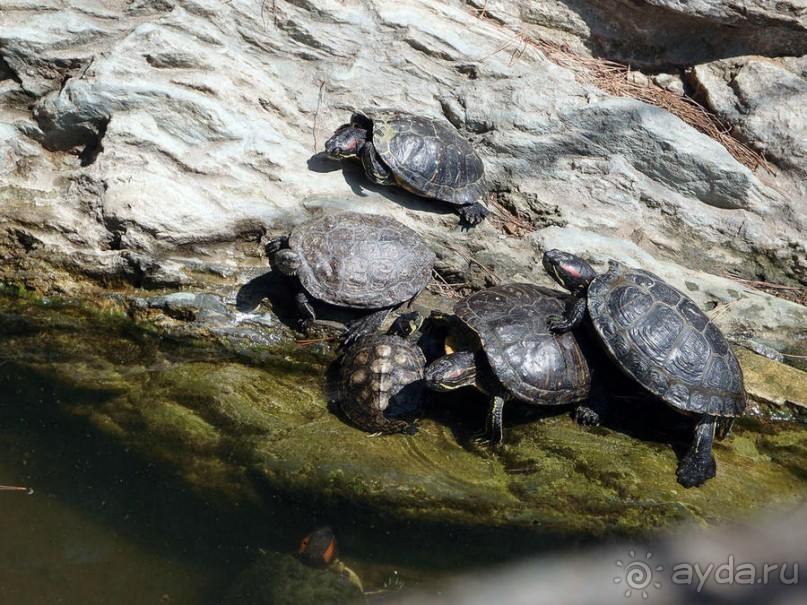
698	465
406	324
376	170
305	309
589	412
363	326
563	323
277	243
494	433
473	214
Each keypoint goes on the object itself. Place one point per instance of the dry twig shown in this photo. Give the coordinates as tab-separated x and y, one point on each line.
613	77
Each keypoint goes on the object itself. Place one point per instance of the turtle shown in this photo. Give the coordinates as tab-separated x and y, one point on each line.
660	338
313	574
381	379
353	260
424	156
505	349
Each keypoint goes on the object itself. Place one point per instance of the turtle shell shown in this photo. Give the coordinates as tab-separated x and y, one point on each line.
362	261
529	360
661	338
380	380
428	157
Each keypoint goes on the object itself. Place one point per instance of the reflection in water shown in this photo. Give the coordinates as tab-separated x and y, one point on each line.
100	527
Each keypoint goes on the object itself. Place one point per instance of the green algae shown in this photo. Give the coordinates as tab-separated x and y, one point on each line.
252	427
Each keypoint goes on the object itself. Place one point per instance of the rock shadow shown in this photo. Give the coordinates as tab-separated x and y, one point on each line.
279	291
656	38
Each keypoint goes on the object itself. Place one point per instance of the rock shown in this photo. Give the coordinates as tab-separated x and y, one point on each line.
157	144
671	82
248	424
773	383
174	156
765	101
658	33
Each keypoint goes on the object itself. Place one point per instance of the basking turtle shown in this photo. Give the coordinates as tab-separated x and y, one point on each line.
424	156
359	261
660	338
506	350
314	575
381	379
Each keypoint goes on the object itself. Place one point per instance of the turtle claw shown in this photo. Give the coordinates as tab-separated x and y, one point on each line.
473	214
277	243
394	582
585	416
695	470
484	438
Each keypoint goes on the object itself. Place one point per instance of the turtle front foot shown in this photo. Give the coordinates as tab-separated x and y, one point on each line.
276	243
365	326
585	416
696	470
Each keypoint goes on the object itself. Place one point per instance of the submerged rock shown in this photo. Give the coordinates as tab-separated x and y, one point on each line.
246	427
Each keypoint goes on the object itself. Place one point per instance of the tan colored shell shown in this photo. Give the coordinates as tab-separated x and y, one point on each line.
381	379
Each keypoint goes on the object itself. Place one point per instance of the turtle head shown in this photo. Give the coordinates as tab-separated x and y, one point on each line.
318	549
287	261
570	271
451	372
346	142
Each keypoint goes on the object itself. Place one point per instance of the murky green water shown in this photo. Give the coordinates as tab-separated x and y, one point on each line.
105	524
161	467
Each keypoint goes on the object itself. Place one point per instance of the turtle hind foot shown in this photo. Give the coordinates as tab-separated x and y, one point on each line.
696	470
473	214
585	416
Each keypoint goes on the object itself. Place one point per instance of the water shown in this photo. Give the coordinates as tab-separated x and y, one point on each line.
122	514
107	525
101	526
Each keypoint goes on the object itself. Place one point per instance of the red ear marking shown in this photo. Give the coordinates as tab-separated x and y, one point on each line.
304	544
572	272
330	552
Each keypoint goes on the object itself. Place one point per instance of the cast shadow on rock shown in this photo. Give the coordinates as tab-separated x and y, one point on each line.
645	35
360	185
